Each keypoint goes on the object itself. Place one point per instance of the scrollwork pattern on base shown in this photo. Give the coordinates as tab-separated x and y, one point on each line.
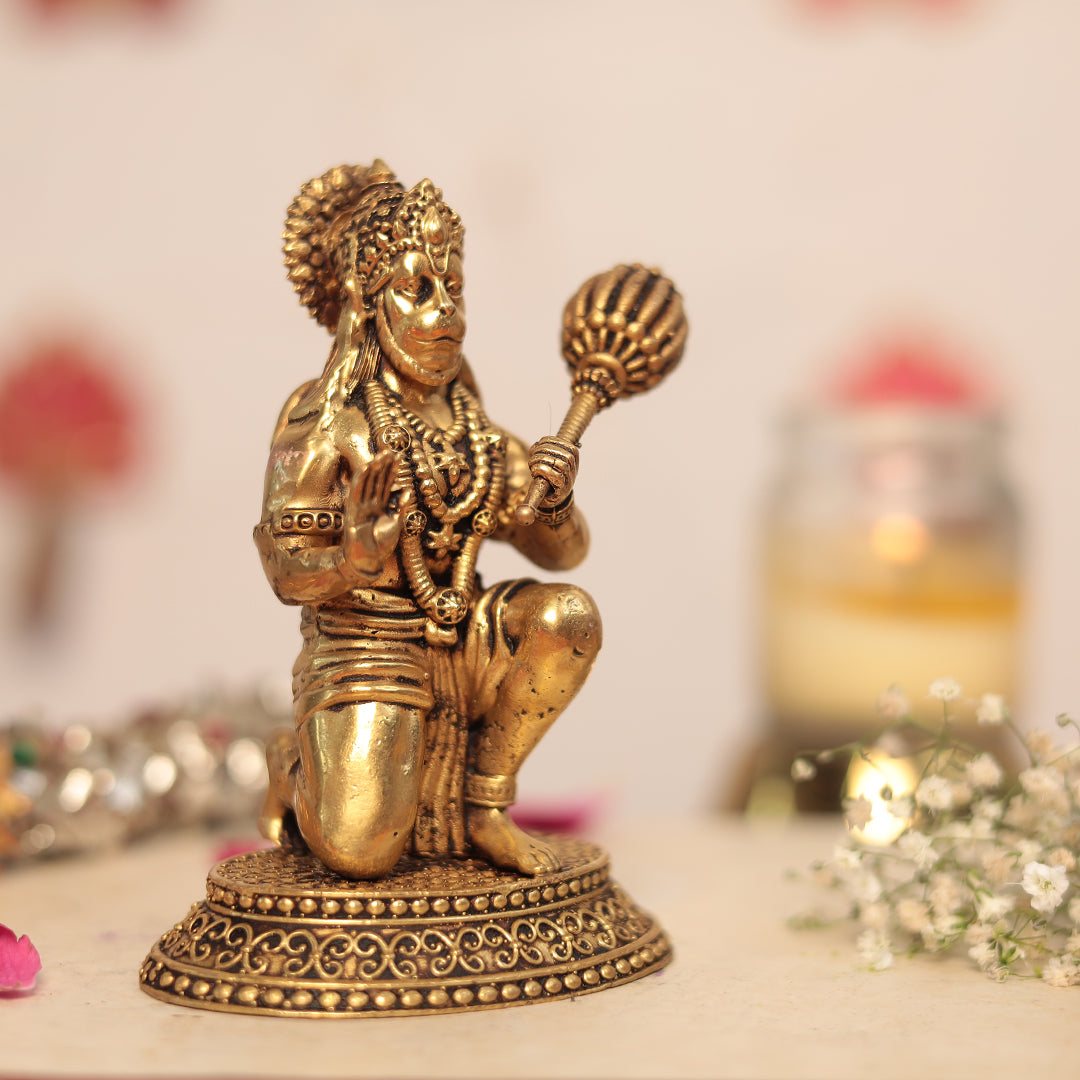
397	949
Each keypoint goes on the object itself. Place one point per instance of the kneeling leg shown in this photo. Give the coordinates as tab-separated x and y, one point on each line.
557	634
357	783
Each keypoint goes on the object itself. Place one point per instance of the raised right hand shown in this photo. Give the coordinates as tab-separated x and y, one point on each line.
370	534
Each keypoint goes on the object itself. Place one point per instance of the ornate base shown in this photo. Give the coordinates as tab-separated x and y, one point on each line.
279	934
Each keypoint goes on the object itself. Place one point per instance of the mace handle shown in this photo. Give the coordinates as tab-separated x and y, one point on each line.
582	409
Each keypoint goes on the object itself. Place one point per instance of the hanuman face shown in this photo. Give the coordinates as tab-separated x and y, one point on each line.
420	318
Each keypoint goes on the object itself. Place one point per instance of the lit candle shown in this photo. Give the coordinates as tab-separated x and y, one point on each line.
890	554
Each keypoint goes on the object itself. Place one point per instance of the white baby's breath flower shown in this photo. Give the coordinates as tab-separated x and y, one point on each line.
919	848
846	858
949	924
945	894
875	949
984	954
801	770
961	830
1042	783
983	771
931	939
913	914
991	710
1028	849
934	792
893	744
1021	814
944	689
875	916
998	865
990	908
865	886
1040	744
1061	971
988	809
1046	885
1046	786
1062	856
858	812
980	874
893	704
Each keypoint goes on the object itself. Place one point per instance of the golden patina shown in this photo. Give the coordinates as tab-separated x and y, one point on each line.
418	693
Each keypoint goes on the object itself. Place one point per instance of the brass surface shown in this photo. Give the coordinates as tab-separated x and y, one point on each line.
623	331
418	693
279	934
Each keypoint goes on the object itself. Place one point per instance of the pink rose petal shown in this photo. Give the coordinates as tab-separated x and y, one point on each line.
19	961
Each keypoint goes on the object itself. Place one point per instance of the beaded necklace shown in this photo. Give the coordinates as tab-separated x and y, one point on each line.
421	452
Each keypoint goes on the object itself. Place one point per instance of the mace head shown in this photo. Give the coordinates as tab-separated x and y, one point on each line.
623	331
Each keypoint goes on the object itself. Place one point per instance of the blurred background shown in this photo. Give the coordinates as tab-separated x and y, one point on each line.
817	177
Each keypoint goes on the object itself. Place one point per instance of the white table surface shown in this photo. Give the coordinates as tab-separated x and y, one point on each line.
745	997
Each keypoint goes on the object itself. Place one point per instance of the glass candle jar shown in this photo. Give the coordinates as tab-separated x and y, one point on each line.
890	557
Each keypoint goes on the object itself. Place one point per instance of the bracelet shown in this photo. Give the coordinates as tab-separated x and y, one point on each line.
556	515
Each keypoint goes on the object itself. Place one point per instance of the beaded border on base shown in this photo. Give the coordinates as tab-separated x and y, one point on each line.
397	951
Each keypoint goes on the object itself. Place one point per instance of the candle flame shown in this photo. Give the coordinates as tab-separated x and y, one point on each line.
881	778
899	538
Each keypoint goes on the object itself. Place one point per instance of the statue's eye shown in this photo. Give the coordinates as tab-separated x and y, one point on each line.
409	288
454	287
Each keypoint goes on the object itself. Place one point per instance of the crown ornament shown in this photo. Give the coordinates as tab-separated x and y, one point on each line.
356	220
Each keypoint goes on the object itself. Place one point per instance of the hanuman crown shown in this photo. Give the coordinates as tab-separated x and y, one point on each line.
357	220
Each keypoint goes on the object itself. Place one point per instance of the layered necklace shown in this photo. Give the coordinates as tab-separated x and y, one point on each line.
438	487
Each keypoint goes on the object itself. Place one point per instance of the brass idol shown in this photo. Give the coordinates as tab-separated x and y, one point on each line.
399	882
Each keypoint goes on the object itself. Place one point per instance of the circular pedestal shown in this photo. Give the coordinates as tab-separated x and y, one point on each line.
280	934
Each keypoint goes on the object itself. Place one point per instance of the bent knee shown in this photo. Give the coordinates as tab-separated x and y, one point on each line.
350	846
355	830
570	614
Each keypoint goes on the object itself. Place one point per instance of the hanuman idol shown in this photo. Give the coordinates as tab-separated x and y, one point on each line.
419	693
385	477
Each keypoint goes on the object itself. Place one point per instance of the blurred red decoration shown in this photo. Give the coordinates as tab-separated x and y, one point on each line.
65	421
52	8
67	426
233	845
911	370
845	7
573	816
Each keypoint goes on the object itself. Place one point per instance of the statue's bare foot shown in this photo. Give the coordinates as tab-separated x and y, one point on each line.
499	840
282	757
272	823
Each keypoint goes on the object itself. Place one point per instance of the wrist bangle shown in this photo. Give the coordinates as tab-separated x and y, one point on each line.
556	515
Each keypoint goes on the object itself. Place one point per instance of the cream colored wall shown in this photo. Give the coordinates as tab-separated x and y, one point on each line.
802	180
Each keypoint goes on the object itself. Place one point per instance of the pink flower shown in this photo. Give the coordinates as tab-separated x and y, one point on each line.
19	961
239	846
